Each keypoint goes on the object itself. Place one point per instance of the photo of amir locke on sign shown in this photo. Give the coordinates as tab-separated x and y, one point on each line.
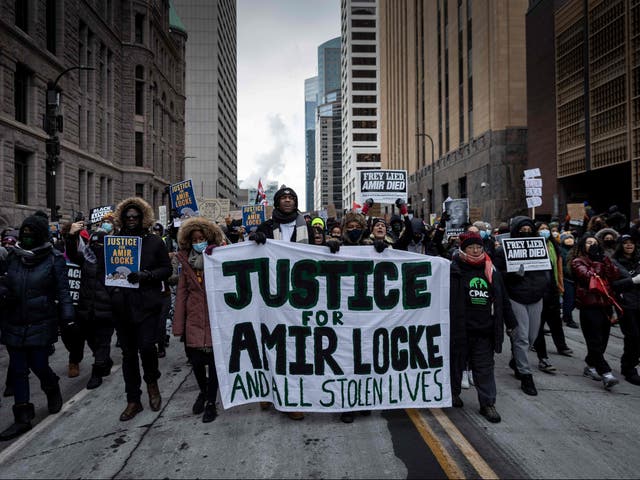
183	201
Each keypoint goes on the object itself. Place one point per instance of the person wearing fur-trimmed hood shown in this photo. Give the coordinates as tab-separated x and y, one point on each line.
137	310
191	317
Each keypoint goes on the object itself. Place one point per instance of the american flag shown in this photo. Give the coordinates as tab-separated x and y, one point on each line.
261	197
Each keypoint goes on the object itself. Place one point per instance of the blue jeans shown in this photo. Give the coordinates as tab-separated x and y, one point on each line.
568	299
36	359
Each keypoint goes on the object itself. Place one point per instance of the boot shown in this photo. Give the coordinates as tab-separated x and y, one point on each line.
8	391
105	370
96	377
528	386
198	406
54	398
632	377
133	408
210	412
155	400
23	413
512	365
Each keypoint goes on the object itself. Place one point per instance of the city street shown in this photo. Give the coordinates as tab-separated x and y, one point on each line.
573	429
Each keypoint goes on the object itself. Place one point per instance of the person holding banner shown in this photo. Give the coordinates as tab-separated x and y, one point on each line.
137	309
594	273
95	312
479	309
288	224
35	298
191	317
319	236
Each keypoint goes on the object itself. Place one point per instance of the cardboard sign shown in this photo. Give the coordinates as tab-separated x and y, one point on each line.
97	214
253	215
576	212
286	331
383	186
216	209
458	209
162	215
121	257
183	201
530	253
331	211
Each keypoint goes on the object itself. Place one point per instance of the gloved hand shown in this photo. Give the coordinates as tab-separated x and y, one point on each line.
368	203
260	238
209	249
444	218
596	253
379	245
636	279
402	206
520	271
334	245
511	332
137	277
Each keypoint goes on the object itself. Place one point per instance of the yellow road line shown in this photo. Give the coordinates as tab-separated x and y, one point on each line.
475	459
448	464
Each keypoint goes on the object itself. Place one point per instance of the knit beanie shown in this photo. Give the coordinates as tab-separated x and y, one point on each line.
39	226
470	238
281	193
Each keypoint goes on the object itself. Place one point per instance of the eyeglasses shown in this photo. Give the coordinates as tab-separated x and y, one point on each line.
132	217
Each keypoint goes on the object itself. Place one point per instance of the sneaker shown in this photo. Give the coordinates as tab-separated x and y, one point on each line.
490	413
471	378
512	365
591	373
528	386
609	381
571	324
457	402
566	351
632	377
465	379
544	365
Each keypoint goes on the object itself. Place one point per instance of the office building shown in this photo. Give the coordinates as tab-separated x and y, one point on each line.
211	88
123	120
453	71
310	108
360	92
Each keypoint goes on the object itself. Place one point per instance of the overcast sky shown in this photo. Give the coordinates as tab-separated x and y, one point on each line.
277	49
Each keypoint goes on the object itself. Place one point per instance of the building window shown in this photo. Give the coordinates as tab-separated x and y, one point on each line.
368	157
363	74
363	35
21	92
364	99
359	23
365	112
139	26
139	149
22	15
139	189
365	137
50	24
363	86
21	176
462	187
445	191
365	124
363	11
139	90
363	48
363	60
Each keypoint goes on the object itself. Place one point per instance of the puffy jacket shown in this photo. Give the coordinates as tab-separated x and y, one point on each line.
627	291
583	269
35	282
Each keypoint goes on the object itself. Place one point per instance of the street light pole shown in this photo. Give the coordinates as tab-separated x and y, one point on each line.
52	125
433	172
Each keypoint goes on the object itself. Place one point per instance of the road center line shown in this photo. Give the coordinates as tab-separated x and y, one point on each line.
48	420
475	459
448	464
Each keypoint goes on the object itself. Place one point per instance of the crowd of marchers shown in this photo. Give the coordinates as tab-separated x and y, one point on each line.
595	268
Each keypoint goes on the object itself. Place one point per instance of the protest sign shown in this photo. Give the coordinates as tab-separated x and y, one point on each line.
532	172
162	215
383	186
309	330
121	257
183	201
97	214
458	209
54	229
74	275
252	216
530	252
475	214
216	209
533	189
500	237
576	212
331	211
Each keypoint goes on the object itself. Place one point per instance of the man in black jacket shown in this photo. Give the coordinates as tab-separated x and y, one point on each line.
137	310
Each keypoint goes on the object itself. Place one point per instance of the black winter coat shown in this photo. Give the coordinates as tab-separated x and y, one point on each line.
34	283
95	298
502	312
627	292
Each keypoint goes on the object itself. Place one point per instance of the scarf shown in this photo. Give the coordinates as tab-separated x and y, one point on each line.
35	256
281	217
482	259
196	260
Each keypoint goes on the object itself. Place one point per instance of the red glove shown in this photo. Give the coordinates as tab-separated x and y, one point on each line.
368	203
402	205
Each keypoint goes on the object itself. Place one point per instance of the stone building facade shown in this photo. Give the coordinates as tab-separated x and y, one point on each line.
123	121
452	73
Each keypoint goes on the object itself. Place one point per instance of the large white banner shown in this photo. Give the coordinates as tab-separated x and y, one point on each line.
314	331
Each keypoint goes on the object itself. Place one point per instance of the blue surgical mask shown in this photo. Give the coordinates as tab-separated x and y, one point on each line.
484	234
107	227
199	247
544	233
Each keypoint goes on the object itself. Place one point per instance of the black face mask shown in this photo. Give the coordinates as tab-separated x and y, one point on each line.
396	227
609	243
354	235
28	241
595	252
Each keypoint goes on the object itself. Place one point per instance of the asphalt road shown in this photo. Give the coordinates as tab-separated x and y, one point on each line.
573	429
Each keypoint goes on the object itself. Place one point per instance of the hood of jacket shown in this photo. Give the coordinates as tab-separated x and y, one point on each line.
519	222
139	204
212	232
601	234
